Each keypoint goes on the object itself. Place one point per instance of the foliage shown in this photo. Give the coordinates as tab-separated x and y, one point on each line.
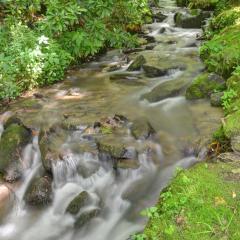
40	38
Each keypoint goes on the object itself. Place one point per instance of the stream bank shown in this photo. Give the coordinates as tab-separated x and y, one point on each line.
107	140
203	202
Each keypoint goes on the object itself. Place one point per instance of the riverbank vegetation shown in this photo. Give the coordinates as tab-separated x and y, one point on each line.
39	39
203	202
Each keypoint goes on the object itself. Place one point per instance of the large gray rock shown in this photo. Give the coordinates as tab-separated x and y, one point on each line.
14	139
191	19
77	203
216	99
141	129
137	63
39	192
153	71
86	216
165	90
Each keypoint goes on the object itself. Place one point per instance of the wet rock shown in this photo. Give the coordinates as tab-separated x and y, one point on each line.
50	141
235	144
151	46
114	149
137	63
153	71
30	104
38	95
204	85
39	192
216	99
77	203
14	140
141	129
228	157
126	79
13	120
191	19
72	123
165	90
86	217
160	17
128	164
112	67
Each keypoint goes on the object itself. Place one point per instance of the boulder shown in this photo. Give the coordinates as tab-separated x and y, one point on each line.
228	157
39	192
141	129
191	19
14	139
137	63
77	203
50	141
160	17
86	216
165	90
235	144
216	99
204	85
153	71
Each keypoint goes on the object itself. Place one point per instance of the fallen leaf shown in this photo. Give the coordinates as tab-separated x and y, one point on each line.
219	201
234	195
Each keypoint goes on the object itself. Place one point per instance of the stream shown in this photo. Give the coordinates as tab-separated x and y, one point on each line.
90	94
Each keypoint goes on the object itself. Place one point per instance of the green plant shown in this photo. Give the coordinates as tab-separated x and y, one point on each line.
228	98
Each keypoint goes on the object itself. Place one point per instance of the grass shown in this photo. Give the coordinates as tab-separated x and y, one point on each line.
200	203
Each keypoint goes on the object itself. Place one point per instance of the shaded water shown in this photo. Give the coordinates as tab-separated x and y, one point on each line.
88	94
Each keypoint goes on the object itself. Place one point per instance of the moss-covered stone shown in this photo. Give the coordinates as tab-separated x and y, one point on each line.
191	19
86	216
13	140
137	63
216	99
77	203
39	192
231	126
204	85
141	129
165	90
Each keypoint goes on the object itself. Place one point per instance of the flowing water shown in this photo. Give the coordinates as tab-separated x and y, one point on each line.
88	94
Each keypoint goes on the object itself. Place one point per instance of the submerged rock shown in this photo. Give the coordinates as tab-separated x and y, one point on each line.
141	129
126	79
14	139
165	90
137	63
39	192
160	17
77	203
191	19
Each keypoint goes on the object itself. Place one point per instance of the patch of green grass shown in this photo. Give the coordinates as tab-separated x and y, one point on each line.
199	204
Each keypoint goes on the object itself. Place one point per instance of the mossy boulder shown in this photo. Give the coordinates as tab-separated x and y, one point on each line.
137	63
50	142
13	140
204	85
191	19
141	129
39	192
231	124
165	90
77	203
216	99
86	216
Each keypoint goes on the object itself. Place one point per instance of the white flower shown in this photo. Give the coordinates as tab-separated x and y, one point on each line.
43	40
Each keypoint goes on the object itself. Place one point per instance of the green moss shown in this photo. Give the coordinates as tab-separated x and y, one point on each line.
198	204
202	86
222	53
13	139
232	124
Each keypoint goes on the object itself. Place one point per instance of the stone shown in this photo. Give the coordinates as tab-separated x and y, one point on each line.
160	17
141	129
153	71
127	79
216	99
77	203
228	157
14	139
39	192
86	216
235	144
191	19
165	90
137	63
